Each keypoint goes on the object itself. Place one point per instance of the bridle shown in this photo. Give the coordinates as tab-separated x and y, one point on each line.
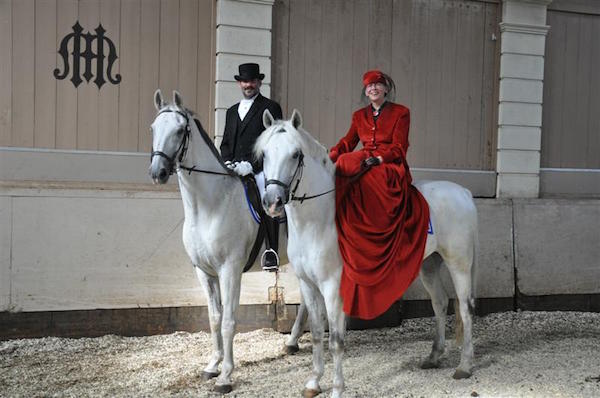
290	195
286	187
182	149
183	146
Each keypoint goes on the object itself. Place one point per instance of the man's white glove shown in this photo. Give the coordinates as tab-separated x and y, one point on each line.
243	168
230	165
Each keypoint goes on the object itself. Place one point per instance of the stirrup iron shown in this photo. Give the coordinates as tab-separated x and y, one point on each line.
263	259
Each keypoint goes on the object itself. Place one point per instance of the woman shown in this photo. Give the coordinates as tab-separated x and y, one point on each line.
381	218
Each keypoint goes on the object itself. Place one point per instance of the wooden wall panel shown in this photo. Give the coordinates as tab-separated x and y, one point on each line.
108	95
148	75
344	94
66	95
439	52
327	75
206	67
45	83
296	50
313	42
279	51
130	67
160	43
593	144
5	72
188	52
571	122
489	98
23	70
169	47
87	92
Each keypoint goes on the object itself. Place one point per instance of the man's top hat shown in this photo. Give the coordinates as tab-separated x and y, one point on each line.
249	71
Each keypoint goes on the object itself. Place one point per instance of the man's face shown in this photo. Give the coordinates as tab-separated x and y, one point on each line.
250	87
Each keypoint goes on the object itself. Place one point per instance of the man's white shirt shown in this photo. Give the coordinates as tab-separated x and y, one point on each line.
245	105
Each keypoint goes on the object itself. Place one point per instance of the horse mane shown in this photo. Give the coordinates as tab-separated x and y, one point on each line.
299	137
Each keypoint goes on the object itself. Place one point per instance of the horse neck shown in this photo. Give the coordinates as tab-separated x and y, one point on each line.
203	192
316	179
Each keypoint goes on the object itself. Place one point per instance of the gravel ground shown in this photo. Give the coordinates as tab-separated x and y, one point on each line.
522	354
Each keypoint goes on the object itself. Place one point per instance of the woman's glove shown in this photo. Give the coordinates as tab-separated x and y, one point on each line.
372	161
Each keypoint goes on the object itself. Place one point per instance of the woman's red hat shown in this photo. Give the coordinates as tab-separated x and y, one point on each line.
373	76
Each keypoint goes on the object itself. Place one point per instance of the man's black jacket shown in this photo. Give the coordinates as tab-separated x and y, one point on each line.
239	136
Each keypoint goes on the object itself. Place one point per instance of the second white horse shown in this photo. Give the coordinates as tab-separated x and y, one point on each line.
297	166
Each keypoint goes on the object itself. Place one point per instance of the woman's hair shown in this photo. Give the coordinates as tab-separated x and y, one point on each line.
389	84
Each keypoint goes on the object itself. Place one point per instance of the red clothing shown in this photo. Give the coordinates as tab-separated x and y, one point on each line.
381	218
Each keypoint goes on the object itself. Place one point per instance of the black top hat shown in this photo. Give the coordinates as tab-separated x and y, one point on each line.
249	71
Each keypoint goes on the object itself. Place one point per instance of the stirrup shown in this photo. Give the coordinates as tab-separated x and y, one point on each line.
270	268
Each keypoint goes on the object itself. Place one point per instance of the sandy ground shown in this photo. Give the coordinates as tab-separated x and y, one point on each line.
523	354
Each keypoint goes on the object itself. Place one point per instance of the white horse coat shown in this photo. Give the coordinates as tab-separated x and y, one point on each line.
218	231
297	166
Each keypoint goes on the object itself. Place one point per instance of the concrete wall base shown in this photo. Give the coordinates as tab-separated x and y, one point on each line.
152	321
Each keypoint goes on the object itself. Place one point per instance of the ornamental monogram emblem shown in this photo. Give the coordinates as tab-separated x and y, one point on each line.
87	40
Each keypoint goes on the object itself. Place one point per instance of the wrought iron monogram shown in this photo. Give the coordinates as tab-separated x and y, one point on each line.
80	39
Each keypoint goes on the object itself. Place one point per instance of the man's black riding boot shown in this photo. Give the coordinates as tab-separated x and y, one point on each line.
270	259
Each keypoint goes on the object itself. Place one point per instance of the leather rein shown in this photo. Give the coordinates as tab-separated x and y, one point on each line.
299	170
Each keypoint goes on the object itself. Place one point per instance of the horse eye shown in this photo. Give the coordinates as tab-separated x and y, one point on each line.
296	154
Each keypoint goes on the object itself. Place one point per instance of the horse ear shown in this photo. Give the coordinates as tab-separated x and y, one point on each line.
268	119
159	103
296	119
177	100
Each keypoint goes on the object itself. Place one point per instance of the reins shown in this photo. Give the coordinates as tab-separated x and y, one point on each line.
291	196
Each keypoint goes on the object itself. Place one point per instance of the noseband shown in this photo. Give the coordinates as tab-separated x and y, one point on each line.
286	187
183	146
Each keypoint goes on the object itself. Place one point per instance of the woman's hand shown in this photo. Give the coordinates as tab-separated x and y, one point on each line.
372	161
333	155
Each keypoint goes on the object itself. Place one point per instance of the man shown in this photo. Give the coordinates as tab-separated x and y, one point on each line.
243	125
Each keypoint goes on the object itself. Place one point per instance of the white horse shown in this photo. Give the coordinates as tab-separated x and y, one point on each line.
294	163
218	231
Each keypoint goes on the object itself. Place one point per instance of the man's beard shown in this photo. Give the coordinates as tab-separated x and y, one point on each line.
249	92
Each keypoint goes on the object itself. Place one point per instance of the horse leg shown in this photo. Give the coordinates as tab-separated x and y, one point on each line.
314	304
230	293
430	276
210	284
291	345
337	330
461	277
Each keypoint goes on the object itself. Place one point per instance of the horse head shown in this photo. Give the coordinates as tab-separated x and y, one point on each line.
283	147
170	135
282	158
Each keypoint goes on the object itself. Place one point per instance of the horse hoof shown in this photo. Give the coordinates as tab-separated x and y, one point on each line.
461	374
310	393
224	388
427	364
291	349
208	375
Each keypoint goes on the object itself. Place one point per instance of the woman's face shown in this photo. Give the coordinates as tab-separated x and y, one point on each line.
376	92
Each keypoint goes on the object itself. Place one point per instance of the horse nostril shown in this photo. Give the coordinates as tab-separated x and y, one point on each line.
162	174
264	202
279	201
